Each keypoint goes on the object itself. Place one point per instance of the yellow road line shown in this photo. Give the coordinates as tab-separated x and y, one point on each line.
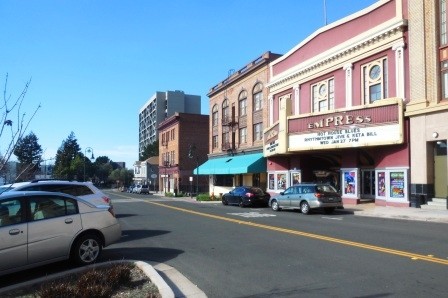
413	256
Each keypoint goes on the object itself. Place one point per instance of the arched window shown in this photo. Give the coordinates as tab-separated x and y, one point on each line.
375	80
225	110
242	103
215	115
258	97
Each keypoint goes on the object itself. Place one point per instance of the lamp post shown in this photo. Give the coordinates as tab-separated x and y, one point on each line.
87	150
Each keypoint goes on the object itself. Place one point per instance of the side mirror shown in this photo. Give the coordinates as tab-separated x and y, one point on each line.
282	193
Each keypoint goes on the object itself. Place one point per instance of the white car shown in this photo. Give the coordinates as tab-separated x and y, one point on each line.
83	190
38	228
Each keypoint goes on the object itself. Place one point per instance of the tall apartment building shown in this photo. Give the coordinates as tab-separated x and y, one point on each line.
161	106
238	109
428	106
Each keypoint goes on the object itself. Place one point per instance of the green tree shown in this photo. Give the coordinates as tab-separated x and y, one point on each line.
121	177
150	150
29	154
65	155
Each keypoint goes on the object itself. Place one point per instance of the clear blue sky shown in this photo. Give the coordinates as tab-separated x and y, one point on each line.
94	63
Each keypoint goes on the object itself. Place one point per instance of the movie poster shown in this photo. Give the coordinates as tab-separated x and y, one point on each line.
350	183
397	184
381	184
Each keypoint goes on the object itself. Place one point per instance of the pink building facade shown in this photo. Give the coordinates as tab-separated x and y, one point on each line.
336	108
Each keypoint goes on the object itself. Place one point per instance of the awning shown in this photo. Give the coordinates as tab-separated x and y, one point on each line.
239	164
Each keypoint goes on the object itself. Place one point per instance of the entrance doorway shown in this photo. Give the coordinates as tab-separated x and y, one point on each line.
440	170
368	184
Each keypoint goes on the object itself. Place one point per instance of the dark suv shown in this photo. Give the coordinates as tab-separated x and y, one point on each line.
307	196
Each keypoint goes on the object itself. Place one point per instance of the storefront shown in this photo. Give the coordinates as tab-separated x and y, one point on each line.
361	151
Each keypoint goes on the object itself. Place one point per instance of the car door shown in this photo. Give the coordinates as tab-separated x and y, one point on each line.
54	222
13	235
285	197
296	197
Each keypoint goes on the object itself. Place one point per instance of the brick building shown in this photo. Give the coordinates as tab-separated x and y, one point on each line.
238	110
428	106
183	144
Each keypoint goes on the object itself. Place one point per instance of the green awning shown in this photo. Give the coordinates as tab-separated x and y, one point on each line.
239	164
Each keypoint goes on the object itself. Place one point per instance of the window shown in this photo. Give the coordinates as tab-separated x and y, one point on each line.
323	96
215	115
223	180
11	212
225	110
444	79
215	142
44	207
226	140
242	103
375	80
258	132
243	135
258	97
442	22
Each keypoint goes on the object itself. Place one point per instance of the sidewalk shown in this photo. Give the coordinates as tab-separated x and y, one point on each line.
416	214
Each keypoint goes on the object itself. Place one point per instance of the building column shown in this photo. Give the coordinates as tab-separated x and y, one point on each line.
271	110
296	99
399	66
348	84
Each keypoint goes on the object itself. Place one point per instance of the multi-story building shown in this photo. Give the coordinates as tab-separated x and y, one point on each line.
336	108
183	144
161	106
146	172
238	110
428	106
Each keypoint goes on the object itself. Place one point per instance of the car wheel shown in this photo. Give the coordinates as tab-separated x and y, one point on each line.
328	210
305	207
86	249
241	203
224	201
275	206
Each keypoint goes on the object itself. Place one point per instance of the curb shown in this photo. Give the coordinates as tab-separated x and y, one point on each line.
164	290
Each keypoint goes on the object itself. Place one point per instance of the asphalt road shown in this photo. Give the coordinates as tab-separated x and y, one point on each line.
255	252
228	251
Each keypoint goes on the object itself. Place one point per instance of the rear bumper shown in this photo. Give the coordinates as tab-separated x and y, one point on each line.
111	234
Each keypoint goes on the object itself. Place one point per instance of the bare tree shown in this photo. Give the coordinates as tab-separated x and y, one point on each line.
14	122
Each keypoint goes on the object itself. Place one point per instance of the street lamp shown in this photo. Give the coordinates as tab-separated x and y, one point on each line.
87	150
192	153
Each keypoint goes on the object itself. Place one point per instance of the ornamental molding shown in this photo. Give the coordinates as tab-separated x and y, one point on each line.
340	54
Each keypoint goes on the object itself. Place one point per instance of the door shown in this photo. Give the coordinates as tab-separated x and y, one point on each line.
440	170
288	194
51	230
368	184
13	235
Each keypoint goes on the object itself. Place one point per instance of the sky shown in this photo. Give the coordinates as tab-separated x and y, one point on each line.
93	64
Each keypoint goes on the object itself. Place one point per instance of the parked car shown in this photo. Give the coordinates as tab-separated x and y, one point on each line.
83	190
144	189
307	196
246	196
38	228
136	188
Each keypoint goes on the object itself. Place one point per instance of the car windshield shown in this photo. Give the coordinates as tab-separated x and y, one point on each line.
326	188
5	188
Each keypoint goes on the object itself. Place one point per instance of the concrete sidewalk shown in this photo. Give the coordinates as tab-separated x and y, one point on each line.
417	214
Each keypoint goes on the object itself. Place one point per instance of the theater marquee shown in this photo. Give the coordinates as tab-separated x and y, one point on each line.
374	125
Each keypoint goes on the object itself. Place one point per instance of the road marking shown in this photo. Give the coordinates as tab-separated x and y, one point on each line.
333	218
401	253
252	214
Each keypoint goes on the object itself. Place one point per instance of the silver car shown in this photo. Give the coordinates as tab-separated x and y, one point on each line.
84	190
37	228
307	196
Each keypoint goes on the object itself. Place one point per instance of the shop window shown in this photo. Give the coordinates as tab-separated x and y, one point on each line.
225	110
444	79
442	22
375	80
256	180
242	103
258	97
243	135
258	132
323	96
223	180
278	181
215	115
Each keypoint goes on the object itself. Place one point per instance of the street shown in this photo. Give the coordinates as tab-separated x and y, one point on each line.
228	251
255	252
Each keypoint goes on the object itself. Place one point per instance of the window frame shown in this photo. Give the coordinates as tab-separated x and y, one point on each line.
323	92
370	84
257	95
